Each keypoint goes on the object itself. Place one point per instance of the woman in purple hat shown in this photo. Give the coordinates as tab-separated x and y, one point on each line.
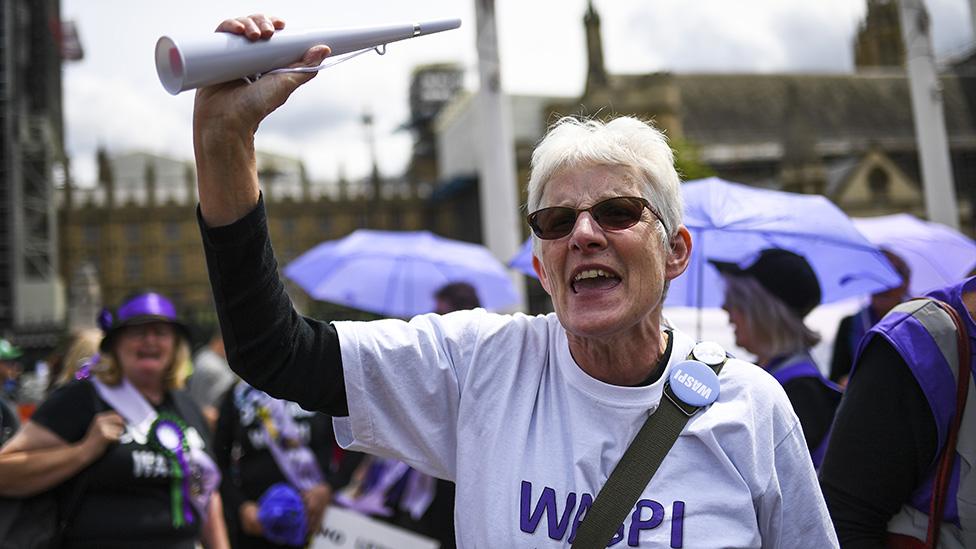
124	444
767	302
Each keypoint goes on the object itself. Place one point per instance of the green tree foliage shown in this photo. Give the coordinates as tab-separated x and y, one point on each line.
687	159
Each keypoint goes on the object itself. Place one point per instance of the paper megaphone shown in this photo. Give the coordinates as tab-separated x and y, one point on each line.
221	57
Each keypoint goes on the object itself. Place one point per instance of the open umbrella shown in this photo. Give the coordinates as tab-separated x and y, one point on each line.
396	273
937	255
522	261
733	223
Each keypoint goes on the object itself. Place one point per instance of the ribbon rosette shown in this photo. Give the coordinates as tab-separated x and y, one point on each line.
168	435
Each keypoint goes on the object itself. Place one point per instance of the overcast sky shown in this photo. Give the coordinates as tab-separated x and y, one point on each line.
114	98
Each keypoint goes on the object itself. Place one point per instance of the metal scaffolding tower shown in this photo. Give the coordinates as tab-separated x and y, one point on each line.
31	162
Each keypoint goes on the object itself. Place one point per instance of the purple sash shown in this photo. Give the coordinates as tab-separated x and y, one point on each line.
381	476
797	366
295	460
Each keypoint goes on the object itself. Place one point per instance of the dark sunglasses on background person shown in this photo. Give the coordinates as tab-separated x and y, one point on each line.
612	214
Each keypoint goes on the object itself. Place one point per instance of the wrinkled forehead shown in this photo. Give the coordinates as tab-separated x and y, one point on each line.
585	183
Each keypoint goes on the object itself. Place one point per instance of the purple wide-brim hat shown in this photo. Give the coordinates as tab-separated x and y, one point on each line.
140	309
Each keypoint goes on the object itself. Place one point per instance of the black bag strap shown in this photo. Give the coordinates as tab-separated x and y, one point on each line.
635	469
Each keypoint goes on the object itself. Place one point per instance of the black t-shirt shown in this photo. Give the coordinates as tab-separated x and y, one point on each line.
126	500
248	466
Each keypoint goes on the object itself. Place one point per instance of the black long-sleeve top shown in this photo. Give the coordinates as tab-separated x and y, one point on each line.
271	346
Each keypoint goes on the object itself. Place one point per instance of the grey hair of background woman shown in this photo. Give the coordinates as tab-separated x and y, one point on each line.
625	141
778	329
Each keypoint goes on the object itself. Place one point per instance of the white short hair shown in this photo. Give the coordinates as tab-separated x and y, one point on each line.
625	141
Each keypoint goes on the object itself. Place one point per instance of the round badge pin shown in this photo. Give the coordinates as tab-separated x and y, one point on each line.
694	383
709	352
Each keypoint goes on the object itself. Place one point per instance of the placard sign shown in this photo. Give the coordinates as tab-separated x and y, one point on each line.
343	528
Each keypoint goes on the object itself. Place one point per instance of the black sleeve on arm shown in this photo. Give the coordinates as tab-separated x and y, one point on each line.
268	343
843	355
882	445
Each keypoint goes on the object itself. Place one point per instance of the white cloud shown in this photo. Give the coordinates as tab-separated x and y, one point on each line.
113	96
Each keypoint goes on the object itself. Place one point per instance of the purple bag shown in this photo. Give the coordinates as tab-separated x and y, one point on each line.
282	515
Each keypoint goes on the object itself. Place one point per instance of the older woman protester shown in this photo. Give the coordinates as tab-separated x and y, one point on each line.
767	302
528	415
125	441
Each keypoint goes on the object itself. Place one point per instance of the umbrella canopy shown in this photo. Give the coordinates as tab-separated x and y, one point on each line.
937	255
396	273
732	222
522	261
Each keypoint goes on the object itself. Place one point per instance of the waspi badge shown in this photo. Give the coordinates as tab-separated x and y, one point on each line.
694	383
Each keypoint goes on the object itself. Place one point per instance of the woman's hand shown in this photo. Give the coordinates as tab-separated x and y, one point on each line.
106	428
238	106
316	500
225	117
248	513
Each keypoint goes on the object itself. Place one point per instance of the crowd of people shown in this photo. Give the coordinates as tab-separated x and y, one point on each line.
505	430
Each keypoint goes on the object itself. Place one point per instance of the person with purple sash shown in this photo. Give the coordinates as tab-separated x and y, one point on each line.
890	431
277	464
852	328
767	302
129	437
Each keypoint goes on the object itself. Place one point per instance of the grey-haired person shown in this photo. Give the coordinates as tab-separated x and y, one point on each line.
527	414
767	303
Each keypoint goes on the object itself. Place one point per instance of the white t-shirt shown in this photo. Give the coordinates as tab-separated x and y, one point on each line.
497	404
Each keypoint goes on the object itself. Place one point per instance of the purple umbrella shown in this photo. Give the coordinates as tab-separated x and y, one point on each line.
396	273
937	255
522	261
733	222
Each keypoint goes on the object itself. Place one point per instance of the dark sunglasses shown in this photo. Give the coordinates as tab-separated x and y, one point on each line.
612	214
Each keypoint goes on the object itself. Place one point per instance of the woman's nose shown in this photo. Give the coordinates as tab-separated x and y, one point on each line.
587	233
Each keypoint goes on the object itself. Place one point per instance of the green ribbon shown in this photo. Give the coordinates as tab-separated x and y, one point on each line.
179	491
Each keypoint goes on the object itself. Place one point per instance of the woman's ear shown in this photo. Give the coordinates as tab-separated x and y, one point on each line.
680	253
540	271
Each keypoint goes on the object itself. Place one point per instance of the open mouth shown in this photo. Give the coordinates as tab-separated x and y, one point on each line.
593	280
149	355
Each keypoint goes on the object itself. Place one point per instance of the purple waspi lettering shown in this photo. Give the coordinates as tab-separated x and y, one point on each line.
547	503
557	524
586	501
637	524
678	524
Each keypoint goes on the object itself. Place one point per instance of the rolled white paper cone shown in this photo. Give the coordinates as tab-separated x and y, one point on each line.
186	64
